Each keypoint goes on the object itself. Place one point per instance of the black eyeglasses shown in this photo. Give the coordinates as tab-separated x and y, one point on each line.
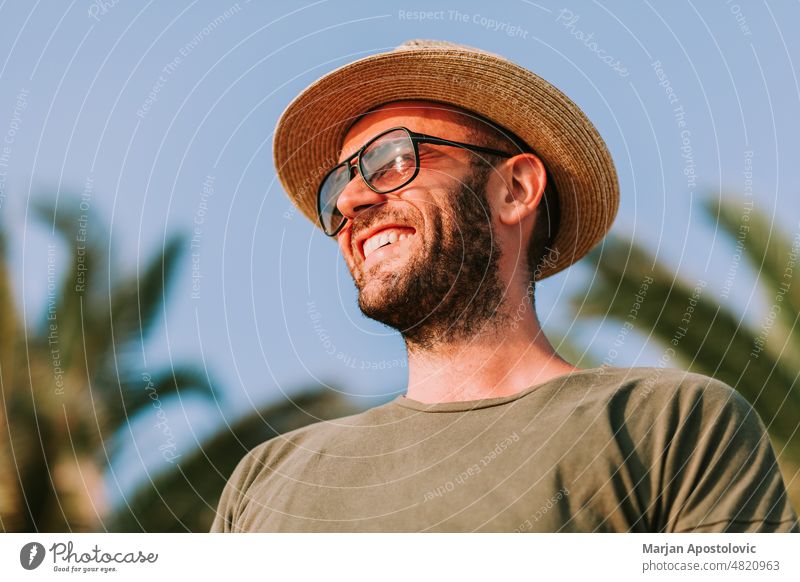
387	162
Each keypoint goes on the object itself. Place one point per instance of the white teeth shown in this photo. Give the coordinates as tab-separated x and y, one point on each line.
385	236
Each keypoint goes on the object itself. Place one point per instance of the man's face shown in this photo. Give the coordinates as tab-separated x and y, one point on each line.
438	279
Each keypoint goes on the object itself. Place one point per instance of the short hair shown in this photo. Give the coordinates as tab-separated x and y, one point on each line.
484	132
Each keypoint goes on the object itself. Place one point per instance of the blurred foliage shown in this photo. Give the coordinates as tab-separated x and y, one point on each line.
73	378
762	362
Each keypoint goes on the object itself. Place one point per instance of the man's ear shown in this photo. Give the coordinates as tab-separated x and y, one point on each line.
524	181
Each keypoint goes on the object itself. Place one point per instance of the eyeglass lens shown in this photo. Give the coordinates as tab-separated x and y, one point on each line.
386	163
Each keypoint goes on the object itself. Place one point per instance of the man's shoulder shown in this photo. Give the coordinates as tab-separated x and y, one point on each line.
663	392
317	435
660	382
653	400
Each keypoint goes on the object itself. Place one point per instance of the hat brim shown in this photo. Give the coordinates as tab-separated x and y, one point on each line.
310	132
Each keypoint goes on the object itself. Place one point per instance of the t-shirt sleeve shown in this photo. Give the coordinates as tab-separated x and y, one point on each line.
720	469
232	494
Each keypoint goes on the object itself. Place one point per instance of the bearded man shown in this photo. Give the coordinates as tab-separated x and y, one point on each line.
453	180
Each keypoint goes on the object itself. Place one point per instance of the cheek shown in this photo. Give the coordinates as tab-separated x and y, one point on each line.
424	203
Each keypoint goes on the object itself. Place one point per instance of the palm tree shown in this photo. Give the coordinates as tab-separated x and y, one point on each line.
10	499
761	362
72	380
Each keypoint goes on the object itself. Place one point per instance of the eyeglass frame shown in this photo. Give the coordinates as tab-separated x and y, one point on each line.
416	139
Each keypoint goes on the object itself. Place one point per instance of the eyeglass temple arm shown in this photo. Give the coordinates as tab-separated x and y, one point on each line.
422	138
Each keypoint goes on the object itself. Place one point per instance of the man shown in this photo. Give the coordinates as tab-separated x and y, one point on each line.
452	179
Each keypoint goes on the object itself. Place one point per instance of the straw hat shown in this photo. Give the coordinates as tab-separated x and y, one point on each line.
310	132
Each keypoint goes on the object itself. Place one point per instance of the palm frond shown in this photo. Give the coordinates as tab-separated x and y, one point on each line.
138	299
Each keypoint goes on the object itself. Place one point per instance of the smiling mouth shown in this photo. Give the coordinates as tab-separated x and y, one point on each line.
384	238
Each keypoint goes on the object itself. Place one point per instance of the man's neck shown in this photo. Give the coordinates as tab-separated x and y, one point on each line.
488	365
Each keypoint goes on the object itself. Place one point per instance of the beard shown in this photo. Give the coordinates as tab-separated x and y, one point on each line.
450	290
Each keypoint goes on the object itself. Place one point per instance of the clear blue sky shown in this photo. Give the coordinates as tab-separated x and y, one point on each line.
222	73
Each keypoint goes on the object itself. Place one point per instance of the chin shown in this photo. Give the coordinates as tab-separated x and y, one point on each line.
384	298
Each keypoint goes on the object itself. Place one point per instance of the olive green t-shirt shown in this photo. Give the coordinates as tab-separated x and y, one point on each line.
599	450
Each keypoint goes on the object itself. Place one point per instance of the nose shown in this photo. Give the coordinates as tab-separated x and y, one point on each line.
357	196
